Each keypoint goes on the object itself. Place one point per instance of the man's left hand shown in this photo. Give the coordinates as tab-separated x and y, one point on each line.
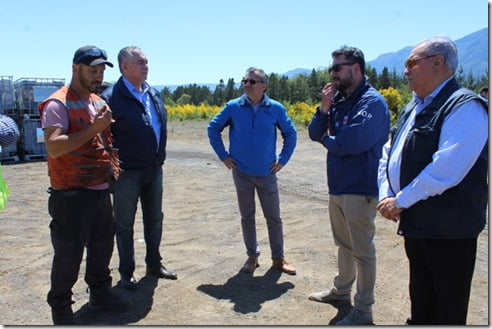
388	209
275	167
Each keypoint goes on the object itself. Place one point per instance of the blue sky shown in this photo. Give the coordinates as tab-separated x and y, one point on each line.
203	41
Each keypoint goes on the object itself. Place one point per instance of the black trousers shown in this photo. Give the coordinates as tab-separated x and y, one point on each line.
441	272
81	219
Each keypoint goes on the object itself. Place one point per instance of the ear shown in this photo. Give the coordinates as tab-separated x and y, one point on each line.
438	60
357	66
124	66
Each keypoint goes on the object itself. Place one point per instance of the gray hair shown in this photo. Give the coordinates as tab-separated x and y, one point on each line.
127	53
259	72
443	46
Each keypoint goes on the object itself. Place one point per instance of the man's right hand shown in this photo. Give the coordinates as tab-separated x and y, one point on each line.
326	97
104	117
229	163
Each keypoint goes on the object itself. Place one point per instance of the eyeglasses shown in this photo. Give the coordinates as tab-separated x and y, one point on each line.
337	67
92	53
251	81
411	62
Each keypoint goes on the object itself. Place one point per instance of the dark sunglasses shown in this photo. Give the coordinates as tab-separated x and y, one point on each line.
251	81
337	67
411	62
92	53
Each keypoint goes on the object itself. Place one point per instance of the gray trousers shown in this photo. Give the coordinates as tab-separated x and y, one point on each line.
352	224
268	194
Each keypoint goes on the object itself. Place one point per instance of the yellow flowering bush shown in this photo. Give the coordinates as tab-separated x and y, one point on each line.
394	100
192	112
300	113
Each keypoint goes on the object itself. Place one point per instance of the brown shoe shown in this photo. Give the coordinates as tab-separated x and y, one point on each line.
251	264
281	264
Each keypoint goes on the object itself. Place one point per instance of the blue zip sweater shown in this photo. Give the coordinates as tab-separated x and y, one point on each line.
253	136
361	125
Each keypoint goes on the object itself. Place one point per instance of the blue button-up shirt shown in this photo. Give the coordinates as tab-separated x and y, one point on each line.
150	110
463	136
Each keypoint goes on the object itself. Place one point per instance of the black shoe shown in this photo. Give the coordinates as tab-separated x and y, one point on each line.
62	317
129	282
162	272
108	301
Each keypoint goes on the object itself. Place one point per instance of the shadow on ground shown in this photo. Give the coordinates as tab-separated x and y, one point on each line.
248	292
141	299
343	308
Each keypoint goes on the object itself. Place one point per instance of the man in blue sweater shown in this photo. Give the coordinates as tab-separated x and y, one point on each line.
253	120
352	123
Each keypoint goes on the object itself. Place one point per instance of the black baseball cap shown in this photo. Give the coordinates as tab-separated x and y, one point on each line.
91	55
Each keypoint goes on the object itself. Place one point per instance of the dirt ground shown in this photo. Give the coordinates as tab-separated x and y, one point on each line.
202	242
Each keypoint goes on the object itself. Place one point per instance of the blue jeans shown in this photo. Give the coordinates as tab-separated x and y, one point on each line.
134	184
267	190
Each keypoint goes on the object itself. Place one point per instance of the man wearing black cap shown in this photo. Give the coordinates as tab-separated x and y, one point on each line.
81	164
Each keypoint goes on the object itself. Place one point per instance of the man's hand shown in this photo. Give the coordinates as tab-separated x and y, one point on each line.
229	163
275	167
104	117
388	209
326	97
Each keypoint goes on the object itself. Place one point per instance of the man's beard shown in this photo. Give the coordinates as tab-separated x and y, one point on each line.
343	84
91	86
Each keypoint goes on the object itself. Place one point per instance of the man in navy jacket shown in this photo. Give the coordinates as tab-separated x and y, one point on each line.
140	135
352	123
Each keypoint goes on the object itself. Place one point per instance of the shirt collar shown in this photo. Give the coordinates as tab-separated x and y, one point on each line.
137	93
427	100
265	101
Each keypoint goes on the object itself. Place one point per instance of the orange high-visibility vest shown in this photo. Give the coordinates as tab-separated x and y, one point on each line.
94	162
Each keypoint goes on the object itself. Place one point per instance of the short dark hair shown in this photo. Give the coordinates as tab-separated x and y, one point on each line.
353	54
486	89
259	72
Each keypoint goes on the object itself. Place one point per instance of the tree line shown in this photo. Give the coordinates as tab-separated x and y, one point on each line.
307	87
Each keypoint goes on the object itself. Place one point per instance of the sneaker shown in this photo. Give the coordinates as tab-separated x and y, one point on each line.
356	317
329	296
108	301
284	266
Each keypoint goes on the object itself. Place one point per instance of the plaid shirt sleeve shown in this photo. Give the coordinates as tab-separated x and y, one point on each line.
9	132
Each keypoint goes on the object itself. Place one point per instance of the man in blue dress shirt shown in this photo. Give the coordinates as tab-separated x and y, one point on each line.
433	180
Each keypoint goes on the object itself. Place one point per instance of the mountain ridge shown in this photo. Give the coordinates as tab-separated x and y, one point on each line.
472	58
472	55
